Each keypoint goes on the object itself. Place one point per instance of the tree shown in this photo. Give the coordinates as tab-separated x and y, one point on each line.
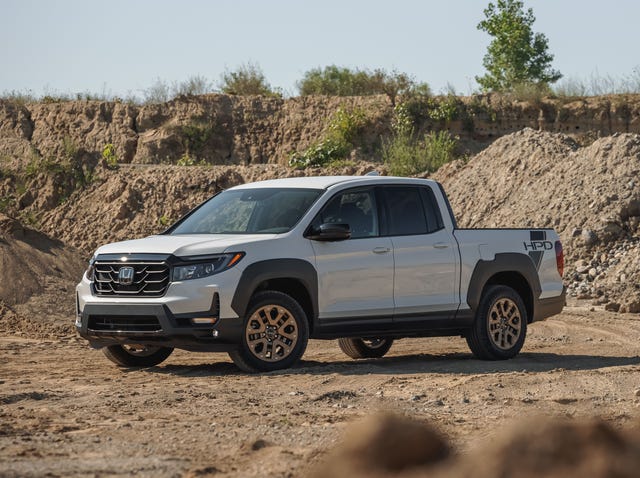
516	55
247	79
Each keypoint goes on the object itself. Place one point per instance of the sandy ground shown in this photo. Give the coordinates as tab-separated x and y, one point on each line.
67	411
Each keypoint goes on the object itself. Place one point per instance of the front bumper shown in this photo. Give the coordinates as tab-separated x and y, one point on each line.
154	324
166	320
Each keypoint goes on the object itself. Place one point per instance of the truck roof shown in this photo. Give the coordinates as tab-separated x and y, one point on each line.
325	182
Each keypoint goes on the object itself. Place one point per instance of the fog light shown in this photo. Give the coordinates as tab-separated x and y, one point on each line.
78	321
204	320
214	333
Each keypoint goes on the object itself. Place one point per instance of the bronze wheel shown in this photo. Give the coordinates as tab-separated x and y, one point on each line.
271	333
500	325
365	348
136	355
275	333
505	323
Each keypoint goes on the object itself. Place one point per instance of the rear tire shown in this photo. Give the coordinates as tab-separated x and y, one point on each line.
136	355
275	333
500	326
365	348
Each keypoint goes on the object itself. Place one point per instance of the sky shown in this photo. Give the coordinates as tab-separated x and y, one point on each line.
121	47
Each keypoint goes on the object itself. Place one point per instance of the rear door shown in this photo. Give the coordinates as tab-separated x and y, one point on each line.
355	276
425	254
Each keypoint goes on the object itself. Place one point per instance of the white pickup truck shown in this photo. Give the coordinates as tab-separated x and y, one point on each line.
260	268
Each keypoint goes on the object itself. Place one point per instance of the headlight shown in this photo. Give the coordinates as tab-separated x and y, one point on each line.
212	265
90	271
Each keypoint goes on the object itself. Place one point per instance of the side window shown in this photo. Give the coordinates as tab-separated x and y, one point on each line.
405	211
356	208
434	218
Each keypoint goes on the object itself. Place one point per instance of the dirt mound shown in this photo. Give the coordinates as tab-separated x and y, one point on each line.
555	449
34	271
590	195
387	445
384	443
138	201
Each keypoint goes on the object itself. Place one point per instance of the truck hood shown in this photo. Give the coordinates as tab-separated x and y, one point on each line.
183	245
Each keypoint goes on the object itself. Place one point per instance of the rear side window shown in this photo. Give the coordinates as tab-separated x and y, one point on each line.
405	211
434	218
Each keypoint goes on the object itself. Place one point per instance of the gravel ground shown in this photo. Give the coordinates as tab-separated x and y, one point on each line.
65	410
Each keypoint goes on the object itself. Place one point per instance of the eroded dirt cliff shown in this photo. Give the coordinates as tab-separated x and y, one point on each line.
222	129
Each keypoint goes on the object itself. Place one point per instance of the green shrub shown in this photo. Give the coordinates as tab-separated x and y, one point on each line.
6	203
247	79
20	98
340	81
109	156
342	131
68	169
478	107
161	91
193	86
336	81
39	165
195	135
395	84
31	218
439	108
530	92
347	124
321	153
186	160
406	157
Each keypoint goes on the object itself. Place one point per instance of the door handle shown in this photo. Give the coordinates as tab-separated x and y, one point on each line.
381	250
441	245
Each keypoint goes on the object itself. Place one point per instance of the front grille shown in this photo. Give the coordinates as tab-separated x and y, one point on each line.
124	323
149	279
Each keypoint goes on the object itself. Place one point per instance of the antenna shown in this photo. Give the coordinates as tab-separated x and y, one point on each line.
373	173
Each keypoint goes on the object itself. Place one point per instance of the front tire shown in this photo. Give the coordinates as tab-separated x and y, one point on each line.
365	348
136	355
500	326
275	333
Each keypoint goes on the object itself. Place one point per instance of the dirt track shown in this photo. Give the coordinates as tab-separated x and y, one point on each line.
65	410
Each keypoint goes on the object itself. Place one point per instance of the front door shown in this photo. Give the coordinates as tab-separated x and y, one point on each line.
355	276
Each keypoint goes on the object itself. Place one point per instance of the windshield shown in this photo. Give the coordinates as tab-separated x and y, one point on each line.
249	211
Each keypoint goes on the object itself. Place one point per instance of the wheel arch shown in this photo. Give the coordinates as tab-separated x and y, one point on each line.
294	277
509	269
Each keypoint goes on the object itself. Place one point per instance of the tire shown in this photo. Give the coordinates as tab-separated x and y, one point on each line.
365	348
274	335
500	326
136	355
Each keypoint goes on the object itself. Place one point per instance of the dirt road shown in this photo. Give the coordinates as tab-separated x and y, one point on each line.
66	411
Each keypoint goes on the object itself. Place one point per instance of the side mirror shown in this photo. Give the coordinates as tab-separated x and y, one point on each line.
330	232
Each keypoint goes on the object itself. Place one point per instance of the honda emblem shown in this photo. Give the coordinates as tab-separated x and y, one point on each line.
125	275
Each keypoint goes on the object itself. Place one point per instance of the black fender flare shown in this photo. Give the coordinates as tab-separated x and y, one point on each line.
258	272
503	262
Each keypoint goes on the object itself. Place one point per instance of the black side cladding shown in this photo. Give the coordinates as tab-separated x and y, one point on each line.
258	272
